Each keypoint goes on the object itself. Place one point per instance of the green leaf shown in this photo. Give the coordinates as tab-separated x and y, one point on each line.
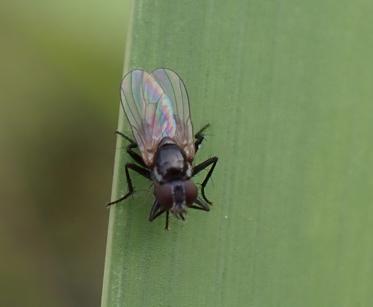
287	88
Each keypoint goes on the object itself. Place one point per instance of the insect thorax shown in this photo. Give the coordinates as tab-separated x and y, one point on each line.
170	163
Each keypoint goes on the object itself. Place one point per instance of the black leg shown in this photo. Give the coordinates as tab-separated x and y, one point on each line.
155	211
134	155
125	137
199	137
201	205
130	147
167	217
211	161
142	171
157	215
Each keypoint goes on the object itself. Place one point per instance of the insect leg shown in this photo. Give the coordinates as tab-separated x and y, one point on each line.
132	145
155	211
138	169
167	217
211	161
199	137
134	155
156	215
201	205
125	137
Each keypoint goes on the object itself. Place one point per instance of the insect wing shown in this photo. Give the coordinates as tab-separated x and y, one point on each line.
157	106
174	88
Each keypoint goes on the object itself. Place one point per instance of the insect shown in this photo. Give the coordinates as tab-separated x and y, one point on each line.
157	107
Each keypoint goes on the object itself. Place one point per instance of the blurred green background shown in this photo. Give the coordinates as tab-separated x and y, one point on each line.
61	65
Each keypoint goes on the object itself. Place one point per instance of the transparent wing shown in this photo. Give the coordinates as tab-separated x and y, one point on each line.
175	89
157	106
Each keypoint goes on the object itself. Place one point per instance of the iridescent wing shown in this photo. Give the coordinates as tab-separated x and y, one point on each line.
157	106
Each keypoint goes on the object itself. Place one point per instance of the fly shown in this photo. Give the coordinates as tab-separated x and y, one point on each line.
157	107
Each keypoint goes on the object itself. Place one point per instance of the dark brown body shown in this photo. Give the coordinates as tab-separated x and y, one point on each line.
171	175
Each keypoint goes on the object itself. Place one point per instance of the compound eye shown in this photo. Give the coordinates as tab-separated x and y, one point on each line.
191	192
163	193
